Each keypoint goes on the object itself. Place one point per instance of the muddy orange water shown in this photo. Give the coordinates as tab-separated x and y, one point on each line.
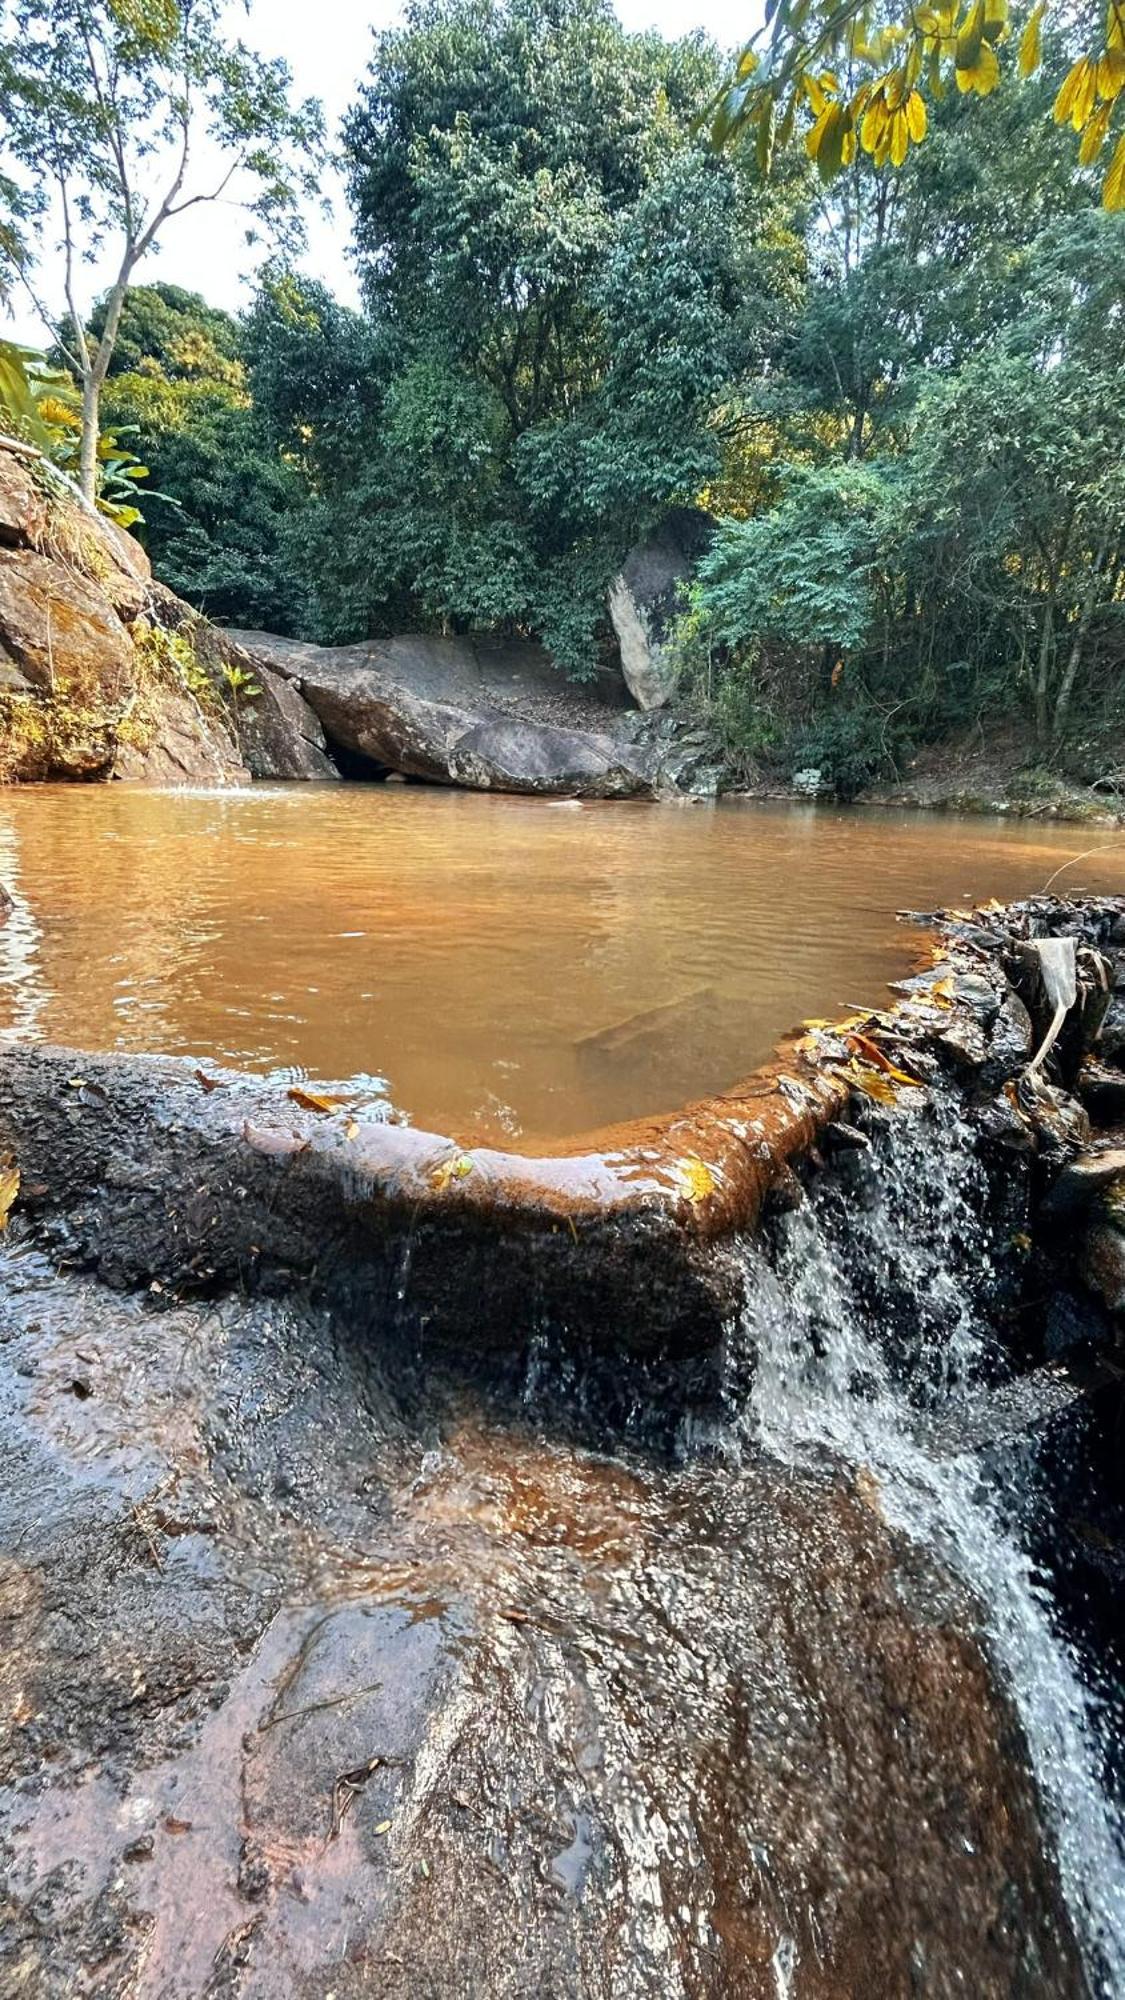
514	969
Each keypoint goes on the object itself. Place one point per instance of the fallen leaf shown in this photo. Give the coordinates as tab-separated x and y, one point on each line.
206	1082
456	1169
384	1826
174	1825
314	1100
9	1189
872	1082
76	1083
865	1046
351	1129
514	1615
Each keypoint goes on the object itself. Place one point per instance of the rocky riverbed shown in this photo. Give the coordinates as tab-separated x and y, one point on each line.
358	1638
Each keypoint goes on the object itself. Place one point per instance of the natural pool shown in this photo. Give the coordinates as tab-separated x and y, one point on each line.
514	969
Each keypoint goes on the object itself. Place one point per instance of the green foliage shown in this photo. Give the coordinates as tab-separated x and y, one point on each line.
936	531
551	268
180	383
102	105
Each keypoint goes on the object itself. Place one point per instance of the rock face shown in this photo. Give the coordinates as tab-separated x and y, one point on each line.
487	714
280	735
99	673
312	1689
644	599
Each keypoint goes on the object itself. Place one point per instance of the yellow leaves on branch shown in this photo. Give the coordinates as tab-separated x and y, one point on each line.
906	60
1086	101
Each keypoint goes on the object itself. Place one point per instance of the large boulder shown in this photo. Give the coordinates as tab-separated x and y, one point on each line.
645	599
491	715
102	671
56	627
280	734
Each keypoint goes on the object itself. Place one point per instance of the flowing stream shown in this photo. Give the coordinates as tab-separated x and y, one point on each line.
380	1674
870	1324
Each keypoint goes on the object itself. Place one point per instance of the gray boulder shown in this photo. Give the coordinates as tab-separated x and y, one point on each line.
645	599
490	715
280	735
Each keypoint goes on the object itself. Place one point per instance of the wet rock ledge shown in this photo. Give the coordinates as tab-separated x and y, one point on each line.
624	1252
324	1674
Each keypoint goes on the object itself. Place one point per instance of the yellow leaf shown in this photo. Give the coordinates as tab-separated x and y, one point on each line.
9	1189
1113	192
1093	138
1075	100
695	1180
457	1168
313	1100
872	1083
1111	75
815	94
1031	42
351	1129
983	75
995	21
875	124
916	116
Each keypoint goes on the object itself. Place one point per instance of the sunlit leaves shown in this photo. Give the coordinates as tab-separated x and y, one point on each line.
889	66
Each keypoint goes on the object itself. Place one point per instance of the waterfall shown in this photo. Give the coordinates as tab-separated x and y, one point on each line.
867	1320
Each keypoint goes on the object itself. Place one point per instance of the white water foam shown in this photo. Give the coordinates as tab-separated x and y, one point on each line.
913	1230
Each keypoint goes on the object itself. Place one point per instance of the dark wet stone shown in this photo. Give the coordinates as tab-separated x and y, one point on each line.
1083	1178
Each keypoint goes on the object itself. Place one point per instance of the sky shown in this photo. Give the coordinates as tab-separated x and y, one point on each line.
326	46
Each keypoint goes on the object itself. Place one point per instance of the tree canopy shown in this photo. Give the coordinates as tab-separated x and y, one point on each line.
896	390
101	105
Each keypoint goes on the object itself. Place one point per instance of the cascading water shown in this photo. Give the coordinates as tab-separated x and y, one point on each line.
867	1321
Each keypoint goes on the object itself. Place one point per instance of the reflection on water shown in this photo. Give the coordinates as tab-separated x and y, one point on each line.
515	969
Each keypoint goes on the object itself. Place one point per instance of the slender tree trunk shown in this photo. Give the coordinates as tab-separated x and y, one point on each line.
1043	672
1089	600
88	466
94	380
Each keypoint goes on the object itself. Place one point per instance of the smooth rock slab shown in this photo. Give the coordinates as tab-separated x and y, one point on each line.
305	1696
489	715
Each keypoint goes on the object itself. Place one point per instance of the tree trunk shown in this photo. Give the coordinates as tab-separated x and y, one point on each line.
95	379
1089	599
88	470
1043	672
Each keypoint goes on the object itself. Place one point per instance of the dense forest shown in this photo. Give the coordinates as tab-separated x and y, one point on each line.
898	395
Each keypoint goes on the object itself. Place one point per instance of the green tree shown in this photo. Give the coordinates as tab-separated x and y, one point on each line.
101	102
178	388
552	270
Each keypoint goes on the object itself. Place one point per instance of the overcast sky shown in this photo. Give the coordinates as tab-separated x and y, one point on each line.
327	46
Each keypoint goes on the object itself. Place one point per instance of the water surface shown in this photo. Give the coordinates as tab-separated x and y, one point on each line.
515	969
